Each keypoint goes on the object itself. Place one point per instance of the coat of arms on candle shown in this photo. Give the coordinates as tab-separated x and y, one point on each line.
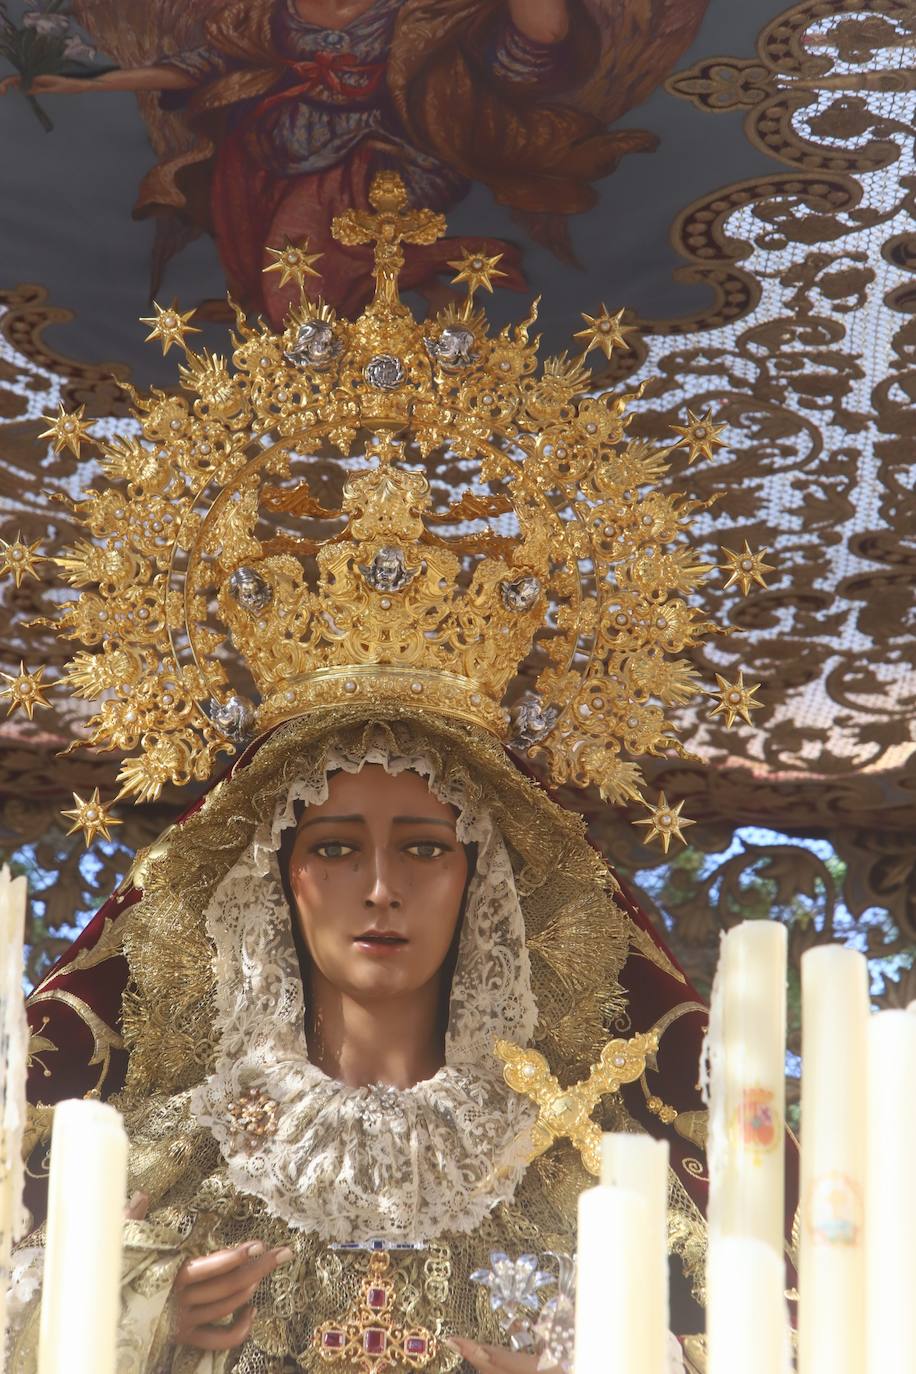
835	1210
757	1122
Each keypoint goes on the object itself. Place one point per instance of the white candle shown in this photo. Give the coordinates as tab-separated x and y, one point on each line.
612	1281
640	1164
748	1323
87	1188
746	1085
14	1041
831	1317
890	1194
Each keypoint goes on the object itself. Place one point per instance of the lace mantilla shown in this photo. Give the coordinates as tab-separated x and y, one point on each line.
352	1164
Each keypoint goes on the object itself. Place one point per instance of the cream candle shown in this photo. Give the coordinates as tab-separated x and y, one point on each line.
747	1321
890	1195
14	1041
82	1278
640	1164
833	1105
612	1283
746	1048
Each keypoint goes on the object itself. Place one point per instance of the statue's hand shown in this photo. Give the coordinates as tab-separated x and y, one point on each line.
213	1287
494	1359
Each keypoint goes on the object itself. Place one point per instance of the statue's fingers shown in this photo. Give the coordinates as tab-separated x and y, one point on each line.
234	1285
204	1267
475	1354
206	1314
494	1359
220	1337
137	1206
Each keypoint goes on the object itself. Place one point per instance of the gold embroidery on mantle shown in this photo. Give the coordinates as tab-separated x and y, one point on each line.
104	1039
107	946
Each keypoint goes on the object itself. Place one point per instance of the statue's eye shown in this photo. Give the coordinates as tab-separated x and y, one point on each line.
333	849
427	849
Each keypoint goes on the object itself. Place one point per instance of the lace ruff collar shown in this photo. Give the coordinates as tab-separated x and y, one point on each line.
353	1164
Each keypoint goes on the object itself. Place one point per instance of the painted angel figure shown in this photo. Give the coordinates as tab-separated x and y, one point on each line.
270	116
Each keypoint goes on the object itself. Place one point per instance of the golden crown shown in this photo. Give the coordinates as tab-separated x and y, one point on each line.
286	521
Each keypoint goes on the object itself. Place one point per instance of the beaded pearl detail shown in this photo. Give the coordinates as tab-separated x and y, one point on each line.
254	1115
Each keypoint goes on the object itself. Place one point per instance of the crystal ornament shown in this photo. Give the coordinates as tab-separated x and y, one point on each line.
555	1329
385	372
521	594
514	1286
315	345
249	590
234	716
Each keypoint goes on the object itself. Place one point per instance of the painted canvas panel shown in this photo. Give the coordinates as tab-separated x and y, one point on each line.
267	118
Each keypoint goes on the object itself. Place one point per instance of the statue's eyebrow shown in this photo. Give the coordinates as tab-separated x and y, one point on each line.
398	820
320	820
423	820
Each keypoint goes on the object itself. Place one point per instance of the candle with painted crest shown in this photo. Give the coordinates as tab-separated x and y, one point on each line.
749	1330
890	1195
640	1164
835	1012
612	1283
80	1297
14	1041
746	1047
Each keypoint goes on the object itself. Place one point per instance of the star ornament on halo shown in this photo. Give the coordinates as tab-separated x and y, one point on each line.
294	262
69	429
735	699
19	559
699	436
26	691
603	331
746	567
477	271
665	823
91	816
168	325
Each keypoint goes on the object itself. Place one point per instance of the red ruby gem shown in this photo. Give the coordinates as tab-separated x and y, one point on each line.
333	1340
377	1298
415	1345
375	1341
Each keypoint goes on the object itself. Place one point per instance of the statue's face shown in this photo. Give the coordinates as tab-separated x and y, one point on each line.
378	876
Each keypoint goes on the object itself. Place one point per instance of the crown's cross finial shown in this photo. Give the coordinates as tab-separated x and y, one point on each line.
392	225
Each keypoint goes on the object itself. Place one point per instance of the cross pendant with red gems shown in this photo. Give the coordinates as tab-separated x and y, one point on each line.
368	1339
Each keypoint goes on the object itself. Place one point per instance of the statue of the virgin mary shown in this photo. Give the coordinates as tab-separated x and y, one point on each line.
347	1003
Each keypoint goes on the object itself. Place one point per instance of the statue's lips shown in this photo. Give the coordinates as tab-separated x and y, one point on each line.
380	941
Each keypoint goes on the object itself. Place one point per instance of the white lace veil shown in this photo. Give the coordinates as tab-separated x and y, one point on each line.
354	1164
